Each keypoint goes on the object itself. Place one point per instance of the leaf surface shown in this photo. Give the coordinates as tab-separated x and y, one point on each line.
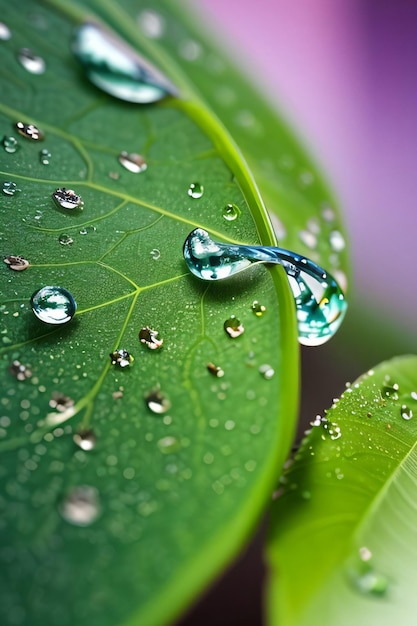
129	531
342	548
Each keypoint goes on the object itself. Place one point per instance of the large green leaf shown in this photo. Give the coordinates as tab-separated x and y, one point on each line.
168	498
343	543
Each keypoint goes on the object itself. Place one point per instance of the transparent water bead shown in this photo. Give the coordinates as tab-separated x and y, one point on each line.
10	188
81	507
319	300
67	199
195	190
157	402
10	144
231	212
118	69
30	131
5	33
33	63
53	305
45	156
133	162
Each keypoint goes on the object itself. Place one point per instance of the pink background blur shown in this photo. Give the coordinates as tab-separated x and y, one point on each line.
346	70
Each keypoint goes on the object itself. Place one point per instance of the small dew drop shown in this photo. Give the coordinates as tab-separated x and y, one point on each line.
406	412
122	358
29	131
169	445
67	199
53	305
336	240
10	188
20	371
258	309
60	402
389	389
81	507
327	213
10	144
85	439
267	371
149	337
45	156
155	254
5	33
215	370
151	24
33	63
65	240
233	327
231	212
308	238
132	162
16	263
195	190
157	402
86	230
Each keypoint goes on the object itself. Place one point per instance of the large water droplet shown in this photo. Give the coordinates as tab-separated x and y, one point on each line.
53	305
10	188
10	144
16	263
81	507
157	402
86	230
31	61
149	337
117	69
406	412
45	156
231	212
29	131
195	190
67	199
233	327
319	300
5	32
85	439
390	389
121	357
133	162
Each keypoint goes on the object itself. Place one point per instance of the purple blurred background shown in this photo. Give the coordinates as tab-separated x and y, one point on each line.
344	73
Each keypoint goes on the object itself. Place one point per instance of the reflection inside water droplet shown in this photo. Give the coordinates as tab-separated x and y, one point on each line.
53	305
231	212
81	507
86	230
133	162
67	199
65	239
10	144
149	337
10	188
30	131
33	63
157	402
195	190
85	439
16	263
117	69
121	358
233	327
45	156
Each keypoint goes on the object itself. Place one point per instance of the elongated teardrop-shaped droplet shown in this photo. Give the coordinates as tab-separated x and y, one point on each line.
53	305
117	69
320	302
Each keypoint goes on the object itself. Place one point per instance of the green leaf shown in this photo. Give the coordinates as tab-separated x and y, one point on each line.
127	532
343	534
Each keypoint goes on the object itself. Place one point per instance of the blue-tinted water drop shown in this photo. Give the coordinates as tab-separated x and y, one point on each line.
116	68
53	305
67	199
10	144
5	33
320	302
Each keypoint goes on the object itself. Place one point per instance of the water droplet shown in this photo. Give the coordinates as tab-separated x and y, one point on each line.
189	50
267	371
81	507
31	61
10	144
65	240
117	69
151	23
133	162
389	389
150	338
169	445
319	300
308	238
195	190
60	401
20	371
216	370
85	439
67	199
29	131
231	212
336	240
327	213
86	230
233	327
121	357
155	254
45	156
258	309
406	412
53	305
366	579
5	33
10	188
157	402
17	263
